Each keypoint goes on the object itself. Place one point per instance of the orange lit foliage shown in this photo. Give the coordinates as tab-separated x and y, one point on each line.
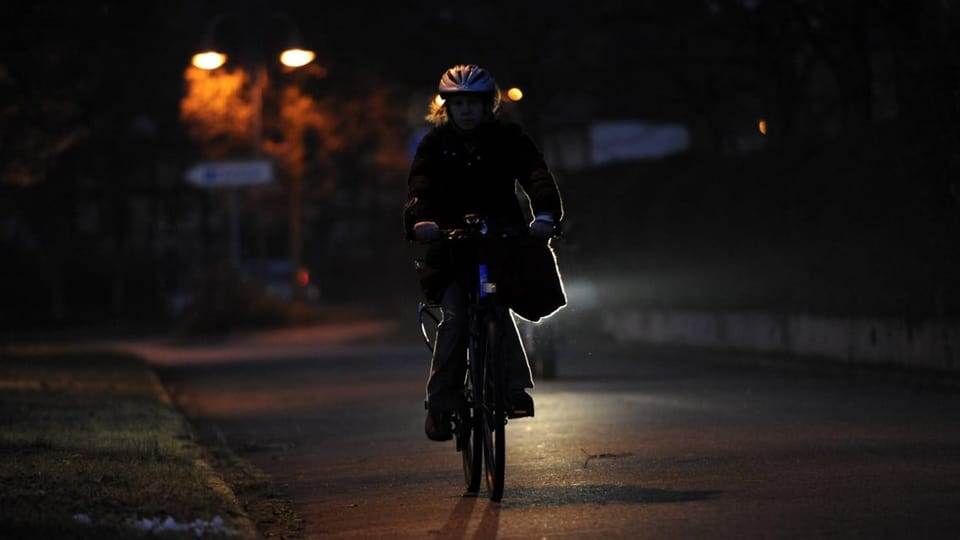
300	132
219	113
375	124
299	115
217	110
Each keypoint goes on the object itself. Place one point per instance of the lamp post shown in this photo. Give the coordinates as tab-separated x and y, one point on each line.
293	55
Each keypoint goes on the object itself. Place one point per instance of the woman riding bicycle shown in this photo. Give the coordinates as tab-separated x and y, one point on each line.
470	163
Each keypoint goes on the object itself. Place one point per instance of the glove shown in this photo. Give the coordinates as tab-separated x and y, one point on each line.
542	227
425	231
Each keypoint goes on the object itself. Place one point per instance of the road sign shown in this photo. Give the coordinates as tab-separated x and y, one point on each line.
220	174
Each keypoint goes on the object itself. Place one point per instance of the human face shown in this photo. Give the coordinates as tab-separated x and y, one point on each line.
466	111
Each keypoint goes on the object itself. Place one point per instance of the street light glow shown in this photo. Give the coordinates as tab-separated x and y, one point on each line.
296	57
515	94
209	60
438	99
762	126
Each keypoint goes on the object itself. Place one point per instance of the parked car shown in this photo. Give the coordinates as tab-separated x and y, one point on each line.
278	279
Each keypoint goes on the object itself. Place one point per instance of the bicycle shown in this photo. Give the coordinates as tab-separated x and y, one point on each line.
479	425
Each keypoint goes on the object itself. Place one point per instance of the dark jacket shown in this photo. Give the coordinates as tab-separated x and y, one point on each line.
454	174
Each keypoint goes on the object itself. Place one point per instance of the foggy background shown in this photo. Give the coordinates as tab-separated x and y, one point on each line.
748	155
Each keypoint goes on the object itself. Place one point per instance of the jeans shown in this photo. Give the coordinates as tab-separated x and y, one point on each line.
448	368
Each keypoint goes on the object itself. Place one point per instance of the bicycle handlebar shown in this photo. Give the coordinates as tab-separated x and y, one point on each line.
477	227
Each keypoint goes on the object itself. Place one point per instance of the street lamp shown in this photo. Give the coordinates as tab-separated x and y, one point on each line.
294	55
209	60
514	94
295	58
212	59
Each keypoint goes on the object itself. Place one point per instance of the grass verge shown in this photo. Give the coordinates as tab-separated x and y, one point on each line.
90	448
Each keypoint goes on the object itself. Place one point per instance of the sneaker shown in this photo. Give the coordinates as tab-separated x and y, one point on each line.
521	404
437	426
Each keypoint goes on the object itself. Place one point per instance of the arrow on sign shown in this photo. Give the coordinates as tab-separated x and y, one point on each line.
214	174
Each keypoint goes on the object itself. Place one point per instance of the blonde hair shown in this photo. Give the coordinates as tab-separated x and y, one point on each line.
438	109
438	113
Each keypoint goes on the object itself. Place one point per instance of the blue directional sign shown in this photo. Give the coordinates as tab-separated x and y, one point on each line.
234	173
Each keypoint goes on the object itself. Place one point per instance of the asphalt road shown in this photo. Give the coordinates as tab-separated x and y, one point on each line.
626	443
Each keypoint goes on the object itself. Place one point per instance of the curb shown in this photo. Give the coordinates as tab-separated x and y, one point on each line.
245	526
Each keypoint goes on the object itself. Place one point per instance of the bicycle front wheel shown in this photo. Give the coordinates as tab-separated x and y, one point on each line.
493	418
470	444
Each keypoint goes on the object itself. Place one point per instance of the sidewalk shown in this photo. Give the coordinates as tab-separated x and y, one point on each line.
91	447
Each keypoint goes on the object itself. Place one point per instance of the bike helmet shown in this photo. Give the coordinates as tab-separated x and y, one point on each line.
466	79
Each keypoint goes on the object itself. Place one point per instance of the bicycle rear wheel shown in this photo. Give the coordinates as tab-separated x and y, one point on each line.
493	418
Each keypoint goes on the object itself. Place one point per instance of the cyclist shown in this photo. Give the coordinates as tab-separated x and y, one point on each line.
470	162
